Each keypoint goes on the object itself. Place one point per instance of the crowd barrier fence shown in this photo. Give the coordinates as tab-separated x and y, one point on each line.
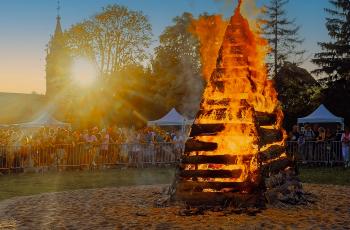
62	157
324	152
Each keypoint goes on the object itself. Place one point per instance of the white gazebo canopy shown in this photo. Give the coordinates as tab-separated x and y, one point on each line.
321	115
173	118
44	120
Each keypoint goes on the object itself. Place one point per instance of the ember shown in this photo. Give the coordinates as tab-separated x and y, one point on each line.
236	151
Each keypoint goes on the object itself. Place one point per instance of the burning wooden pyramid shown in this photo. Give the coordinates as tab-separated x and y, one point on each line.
236	151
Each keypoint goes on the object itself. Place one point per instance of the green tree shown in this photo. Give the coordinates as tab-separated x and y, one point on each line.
177	67
334	59
298	92
113	38
282	34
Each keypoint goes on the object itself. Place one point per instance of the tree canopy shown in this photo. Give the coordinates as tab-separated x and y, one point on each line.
177	67
334	59
282	34
113	39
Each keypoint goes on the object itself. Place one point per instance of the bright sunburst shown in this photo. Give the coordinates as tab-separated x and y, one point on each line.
84	72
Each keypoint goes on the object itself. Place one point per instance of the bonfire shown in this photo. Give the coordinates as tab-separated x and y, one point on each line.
236	153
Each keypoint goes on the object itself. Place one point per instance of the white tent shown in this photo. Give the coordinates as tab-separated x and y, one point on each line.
173	118
321	115
44	120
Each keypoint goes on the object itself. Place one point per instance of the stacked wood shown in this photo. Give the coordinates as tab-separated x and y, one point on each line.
195	145
216	159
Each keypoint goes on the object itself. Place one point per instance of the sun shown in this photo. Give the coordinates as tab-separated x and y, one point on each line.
84	72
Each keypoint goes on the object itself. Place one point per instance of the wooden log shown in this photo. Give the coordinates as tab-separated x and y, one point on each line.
221	102
195	186
195	145
206	129
264	119
217	114
272	152
214	129
275	166
269	136
215	159
221	198
275	180
211	173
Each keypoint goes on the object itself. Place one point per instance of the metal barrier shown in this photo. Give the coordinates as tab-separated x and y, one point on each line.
84	155
326	152
62	157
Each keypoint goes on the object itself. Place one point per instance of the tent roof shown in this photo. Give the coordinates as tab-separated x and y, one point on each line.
45	119
171	118
321	115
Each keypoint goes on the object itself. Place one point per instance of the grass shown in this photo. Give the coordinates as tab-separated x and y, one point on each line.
35	183
30	183
325	175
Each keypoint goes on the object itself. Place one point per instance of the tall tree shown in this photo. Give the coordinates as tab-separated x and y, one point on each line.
334	59
113	39
177	67
282	34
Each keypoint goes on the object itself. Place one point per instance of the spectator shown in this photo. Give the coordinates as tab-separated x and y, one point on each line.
345	139
339	132
294	135
315	129
329	134
309	133
321	135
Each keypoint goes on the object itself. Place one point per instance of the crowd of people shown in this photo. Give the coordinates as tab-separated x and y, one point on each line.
47	145
315	132
59	136
315	140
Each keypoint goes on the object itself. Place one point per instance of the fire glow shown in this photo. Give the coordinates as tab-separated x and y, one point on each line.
237	131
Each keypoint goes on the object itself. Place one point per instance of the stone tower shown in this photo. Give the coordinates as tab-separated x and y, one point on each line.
57	63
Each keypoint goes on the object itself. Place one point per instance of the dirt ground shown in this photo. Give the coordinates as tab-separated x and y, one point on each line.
133	208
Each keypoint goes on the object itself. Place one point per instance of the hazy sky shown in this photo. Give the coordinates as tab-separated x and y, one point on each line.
26	26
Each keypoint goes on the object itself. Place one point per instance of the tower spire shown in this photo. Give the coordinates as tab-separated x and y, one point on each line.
58	30
58	9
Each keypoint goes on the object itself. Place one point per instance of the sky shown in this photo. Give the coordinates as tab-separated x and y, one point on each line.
26	27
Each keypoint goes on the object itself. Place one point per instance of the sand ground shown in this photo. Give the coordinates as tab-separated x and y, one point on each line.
133	208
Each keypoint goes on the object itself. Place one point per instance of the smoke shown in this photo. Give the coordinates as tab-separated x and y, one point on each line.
249	10
193	90
226	6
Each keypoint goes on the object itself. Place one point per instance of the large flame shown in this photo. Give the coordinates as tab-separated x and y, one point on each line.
238	87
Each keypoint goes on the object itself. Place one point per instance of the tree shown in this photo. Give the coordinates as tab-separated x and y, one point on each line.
298	92
282	35
177	67
113	39
334	59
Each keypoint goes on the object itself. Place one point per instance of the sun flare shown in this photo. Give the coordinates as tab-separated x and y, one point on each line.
84	72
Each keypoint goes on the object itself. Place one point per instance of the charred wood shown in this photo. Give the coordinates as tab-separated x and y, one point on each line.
211	173
269	136
216	159
194	186
273	152
206	129
264	119
228	199
195	145
276	166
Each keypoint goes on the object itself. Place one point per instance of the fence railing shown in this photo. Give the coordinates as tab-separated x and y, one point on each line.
88	156
327	152
136	155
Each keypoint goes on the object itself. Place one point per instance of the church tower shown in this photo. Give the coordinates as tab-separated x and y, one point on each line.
57	62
